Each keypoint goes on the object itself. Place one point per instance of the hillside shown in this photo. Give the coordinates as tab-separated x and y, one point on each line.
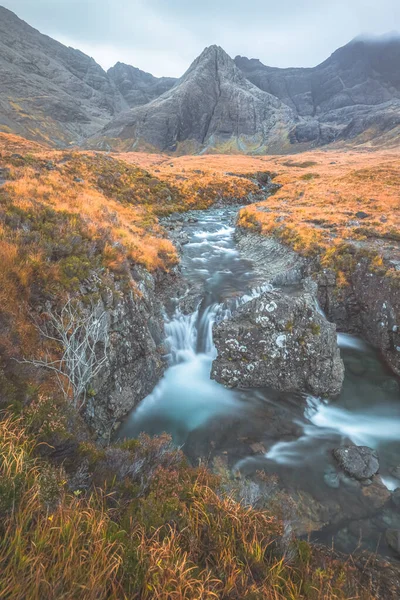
136	86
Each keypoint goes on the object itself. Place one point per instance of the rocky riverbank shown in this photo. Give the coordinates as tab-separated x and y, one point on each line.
368	305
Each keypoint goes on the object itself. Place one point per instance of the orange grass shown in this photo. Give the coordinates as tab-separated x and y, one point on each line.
55	544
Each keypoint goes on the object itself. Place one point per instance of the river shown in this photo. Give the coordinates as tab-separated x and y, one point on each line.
287	435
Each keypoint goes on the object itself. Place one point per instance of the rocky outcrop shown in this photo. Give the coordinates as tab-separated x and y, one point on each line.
368	306
392	537
136	354
279	341
275	263
360	462
138	87
211	105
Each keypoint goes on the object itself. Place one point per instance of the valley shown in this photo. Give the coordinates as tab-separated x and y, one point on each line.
199	320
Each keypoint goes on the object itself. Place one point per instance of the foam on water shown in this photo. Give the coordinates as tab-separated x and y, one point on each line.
223	232
345	340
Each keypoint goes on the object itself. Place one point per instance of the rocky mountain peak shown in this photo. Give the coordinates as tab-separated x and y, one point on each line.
212	60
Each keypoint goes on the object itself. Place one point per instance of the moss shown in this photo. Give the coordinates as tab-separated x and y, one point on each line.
310	176
74	270
92	452
315	328
289	326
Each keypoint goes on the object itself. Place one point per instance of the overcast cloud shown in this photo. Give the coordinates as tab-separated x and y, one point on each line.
164	36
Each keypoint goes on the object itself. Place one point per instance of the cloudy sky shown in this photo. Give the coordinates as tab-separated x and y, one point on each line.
164	36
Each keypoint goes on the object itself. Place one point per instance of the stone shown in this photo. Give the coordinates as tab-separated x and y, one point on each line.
279	341
396	497
395	471
392	537
362	215
360	462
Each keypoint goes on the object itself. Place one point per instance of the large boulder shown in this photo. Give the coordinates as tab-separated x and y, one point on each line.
279	341
360	462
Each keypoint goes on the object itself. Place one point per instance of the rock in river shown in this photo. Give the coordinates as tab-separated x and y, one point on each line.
359	462
279	341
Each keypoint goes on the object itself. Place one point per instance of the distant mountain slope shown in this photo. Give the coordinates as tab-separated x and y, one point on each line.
357	88
54	94
138	87
50	92
212	106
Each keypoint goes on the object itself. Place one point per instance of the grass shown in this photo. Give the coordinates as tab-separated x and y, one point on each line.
179	536
314	212
135	520
65	217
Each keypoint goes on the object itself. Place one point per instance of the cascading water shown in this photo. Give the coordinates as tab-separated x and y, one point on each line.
186	398
298	434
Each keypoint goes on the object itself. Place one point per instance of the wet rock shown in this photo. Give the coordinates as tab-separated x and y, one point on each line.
392	537
360	462
279	341
355	366
272	261
331	477
369	306
396	497
391	385
135	357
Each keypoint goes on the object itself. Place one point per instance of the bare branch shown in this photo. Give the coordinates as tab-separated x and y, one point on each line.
83	336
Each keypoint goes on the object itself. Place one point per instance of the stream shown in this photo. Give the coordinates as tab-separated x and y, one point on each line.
285	435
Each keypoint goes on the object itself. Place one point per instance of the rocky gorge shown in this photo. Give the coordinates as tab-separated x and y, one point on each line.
300	354
159	262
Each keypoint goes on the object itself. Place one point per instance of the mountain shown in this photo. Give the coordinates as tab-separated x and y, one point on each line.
243	105
212	106
138	87
355	90
61	96
50	92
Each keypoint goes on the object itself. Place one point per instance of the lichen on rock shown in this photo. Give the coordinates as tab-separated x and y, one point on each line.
279	341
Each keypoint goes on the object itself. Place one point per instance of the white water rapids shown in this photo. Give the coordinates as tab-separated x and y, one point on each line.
190	406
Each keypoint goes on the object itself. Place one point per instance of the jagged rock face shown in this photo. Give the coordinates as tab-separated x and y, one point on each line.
59	95
135	358
138	87
211	104
357	88
279	341
50	92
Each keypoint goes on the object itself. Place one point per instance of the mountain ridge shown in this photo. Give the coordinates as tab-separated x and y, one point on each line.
61	96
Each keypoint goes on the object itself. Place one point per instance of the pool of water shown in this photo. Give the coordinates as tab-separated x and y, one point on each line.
287	435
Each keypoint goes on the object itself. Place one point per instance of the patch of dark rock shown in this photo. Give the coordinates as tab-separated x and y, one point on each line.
360	462
392	537
362	215
396	497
